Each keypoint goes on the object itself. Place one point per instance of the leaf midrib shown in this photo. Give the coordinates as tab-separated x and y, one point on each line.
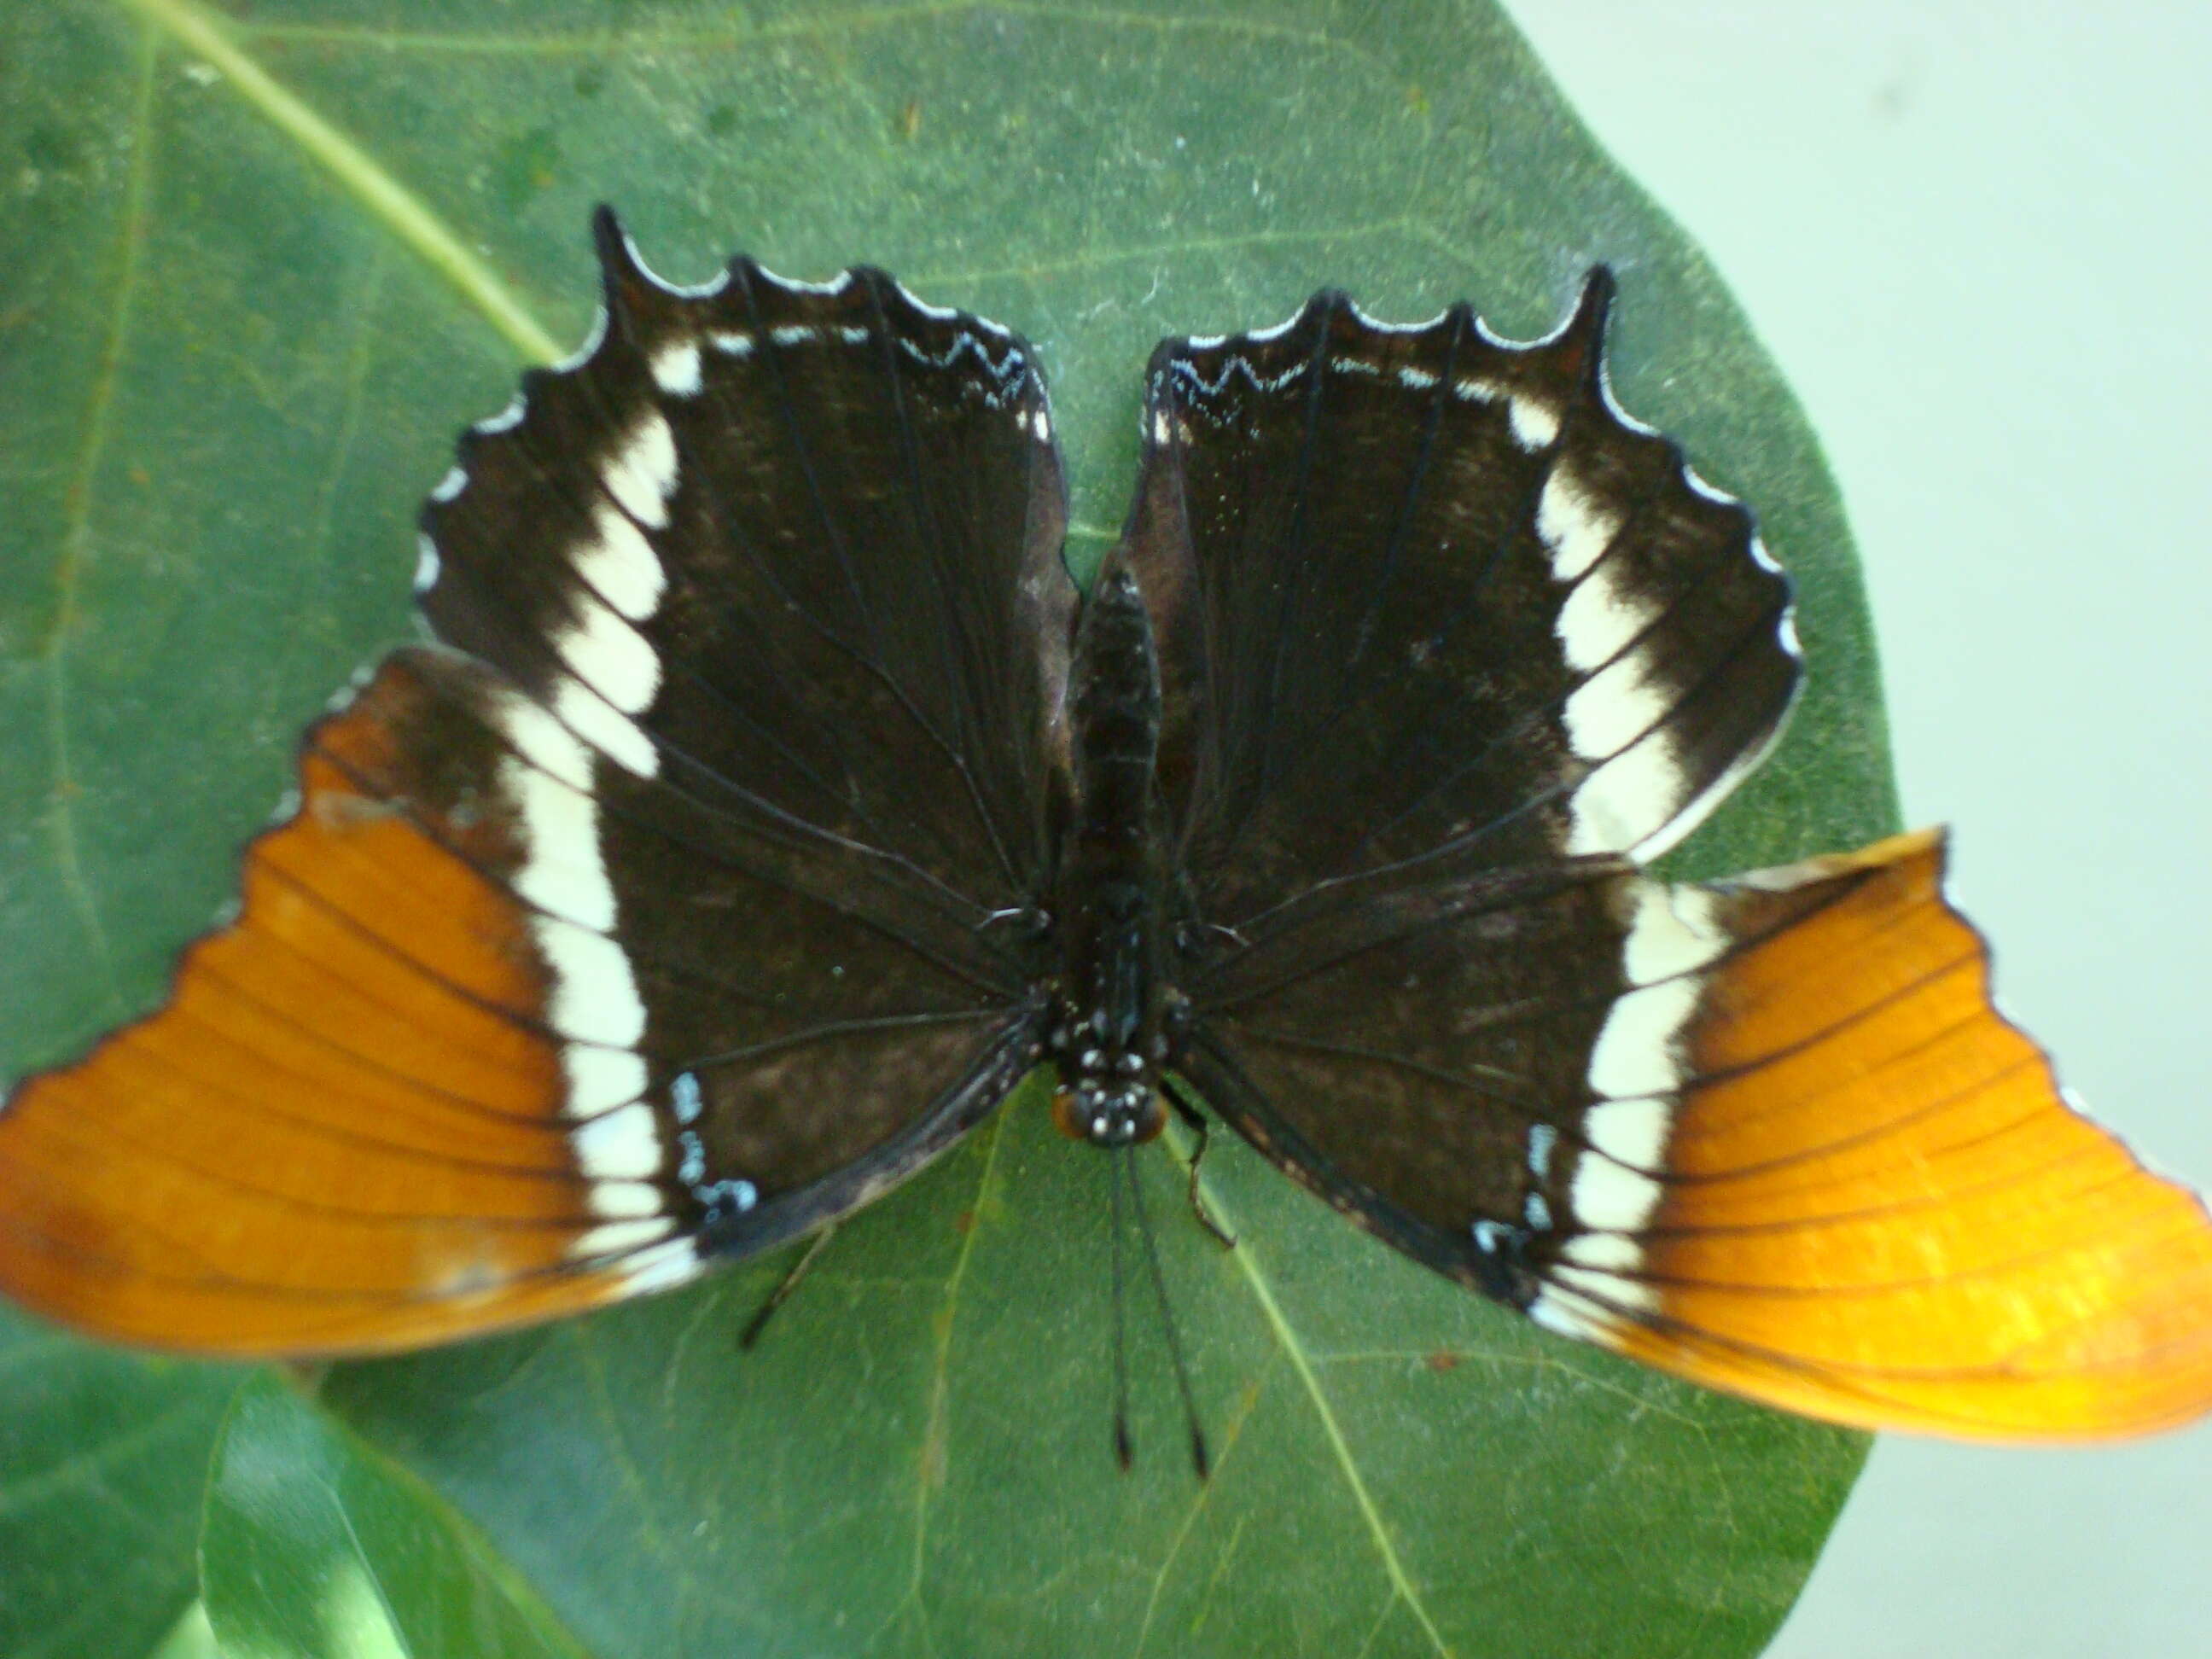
399	208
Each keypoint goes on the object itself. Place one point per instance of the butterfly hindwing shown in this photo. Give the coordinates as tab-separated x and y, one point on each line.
660	925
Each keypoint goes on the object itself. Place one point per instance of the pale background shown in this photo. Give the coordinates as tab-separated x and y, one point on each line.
1975	235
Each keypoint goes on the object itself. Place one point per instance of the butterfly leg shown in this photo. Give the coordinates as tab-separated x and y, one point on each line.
1195	1121
776	1298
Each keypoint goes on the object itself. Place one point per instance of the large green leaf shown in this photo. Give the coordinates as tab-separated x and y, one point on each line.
254	273
103	1457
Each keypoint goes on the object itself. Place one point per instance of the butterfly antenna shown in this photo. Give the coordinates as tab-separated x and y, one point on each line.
1198	1459
784	1286
1125	1453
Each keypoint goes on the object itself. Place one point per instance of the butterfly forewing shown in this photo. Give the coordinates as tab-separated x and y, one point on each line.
659	924
1443	577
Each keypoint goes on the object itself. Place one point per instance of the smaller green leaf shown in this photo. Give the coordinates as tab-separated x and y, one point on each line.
101	1458
316	1546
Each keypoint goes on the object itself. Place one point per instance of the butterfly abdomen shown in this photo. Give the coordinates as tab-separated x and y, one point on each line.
1110	1035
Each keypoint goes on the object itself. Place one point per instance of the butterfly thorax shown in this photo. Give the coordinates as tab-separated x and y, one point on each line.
1109	1037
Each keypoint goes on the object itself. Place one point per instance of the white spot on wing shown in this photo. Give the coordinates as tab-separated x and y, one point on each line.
664	1265
685	1096
731	343
623	1144
641	473
624	1200
563	872
600	1079
791	334
1535	423
675	368
1574	523
1631	799
620	1238
450	486
546	744
593	997
611	656
426	564
619	564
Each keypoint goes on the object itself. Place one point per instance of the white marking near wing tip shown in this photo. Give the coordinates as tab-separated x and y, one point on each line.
730	342
450	486
675	369
1040	424
623	1144
1575	524
426	563
641	473
619	565
1535	422
600	1079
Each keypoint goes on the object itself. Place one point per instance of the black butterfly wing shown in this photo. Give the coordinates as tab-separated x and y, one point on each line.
657	925
1443	578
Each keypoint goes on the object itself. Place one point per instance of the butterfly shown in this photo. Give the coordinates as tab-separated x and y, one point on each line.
773	804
